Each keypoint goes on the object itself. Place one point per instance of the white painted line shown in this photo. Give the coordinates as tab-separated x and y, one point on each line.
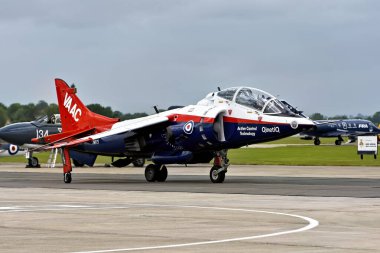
7	208
311	222
59	208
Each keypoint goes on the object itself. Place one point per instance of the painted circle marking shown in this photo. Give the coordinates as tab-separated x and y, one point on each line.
188	127
312	223
13	149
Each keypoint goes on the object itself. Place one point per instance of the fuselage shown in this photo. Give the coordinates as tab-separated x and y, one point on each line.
217	122
336	128
22	133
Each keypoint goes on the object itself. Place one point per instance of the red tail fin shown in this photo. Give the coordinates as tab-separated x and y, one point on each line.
74	114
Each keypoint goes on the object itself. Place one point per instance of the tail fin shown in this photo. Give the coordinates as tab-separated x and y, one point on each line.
74	114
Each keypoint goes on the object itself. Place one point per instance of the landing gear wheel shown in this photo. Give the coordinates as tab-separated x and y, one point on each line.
139	162
216	177
162	174
33	162
317	142
151	172
338	142
67	178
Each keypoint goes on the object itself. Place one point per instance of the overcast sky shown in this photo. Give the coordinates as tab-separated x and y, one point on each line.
321	56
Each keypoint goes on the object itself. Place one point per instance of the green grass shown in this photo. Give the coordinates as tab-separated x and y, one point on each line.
302	155
344	155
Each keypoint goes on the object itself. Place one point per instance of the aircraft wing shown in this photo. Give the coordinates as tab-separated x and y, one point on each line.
126	126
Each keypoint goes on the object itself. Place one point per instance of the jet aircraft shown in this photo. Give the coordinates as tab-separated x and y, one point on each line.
230	118
21	134
340	128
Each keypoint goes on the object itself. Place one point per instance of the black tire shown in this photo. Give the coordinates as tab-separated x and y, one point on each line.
33	162
163	174
338	142
67	178
217	177
317	142
139	162
151	172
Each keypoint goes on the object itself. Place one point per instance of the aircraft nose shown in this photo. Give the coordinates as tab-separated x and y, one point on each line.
2	132
15	133
306	124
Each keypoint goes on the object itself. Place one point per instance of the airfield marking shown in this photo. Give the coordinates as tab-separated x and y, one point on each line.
312	223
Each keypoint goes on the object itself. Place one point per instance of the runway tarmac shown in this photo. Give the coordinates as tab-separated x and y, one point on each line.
257	209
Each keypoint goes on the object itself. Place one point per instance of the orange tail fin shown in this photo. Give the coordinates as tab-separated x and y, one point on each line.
74	114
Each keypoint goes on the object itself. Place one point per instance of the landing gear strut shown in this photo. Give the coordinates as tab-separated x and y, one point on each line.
221	163
67	168
339	141
155	172
32	161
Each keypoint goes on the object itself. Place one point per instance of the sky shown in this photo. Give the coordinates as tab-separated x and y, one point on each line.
321	56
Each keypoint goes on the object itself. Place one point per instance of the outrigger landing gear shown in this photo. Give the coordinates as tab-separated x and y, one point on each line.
221	163
67	168
156	172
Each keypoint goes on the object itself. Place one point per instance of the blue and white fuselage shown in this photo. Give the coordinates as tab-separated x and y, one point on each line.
227	119
340	128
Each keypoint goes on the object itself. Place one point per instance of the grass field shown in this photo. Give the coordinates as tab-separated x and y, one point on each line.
344	155
302	155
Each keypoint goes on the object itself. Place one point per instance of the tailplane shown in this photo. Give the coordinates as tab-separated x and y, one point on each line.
74	114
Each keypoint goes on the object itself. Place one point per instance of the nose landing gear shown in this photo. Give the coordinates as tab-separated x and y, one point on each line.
221	163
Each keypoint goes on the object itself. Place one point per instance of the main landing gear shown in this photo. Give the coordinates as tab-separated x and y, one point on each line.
155	172
218	171
159	173
317	141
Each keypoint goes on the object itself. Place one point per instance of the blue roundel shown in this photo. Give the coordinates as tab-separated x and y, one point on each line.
12	149
188	127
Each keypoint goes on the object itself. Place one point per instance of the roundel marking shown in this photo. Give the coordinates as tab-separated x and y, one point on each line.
188	127
12	149
294	124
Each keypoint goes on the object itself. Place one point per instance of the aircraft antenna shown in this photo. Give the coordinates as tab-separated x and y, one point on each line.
218	88
156	109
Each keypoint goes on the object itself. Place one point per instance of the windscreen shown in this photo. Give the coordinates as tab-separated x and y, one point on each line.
252	98
227	93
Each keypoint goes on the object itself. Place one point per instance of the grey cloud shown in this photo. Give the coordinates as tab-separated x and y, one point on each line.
320	55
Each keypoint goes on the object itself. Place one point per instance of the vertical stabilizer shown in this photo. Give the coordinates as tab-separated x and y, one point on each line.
74	114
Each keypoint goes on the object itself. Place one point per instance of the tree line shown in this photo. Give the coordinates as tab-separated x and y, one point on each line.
17	112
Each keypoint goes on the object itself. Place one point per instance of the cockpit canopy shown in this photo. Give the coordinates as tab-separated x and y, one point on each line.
258	100
54	119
